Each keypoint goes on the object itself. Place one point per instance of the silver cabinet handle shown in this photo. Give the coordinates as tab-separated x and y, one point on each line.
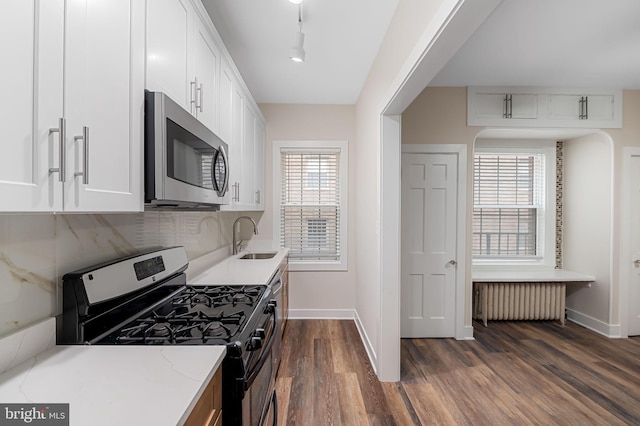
62	123
258	197
199	90
193	90
85	139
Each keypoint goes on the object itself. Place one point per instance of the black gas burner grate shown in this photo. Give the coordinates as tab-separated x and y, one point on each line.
188	327
215	296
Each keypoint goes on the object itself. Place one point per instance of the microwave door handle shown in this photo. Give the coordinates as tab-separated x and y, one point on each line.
226	175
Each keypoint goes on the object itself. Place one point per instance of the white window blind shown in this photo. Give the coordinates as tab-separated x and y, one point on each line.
508	198
310	204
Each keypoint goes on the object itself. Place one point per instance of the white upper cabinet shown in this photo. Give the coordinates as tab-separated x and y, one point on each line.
187	60
104	101
168	35
29	153
182	59
204	77
544	107
227	88
492	106
74	140
259	165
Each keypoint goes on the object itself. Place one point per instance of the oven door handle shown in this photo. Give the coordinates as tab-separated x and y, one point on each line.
248	381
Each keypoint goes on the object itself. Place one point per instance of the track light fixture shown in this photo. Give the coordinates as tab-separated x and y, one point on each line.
297	51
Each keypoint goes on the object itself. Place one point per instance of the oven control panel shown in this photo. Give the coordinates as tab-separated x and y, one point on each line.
148	267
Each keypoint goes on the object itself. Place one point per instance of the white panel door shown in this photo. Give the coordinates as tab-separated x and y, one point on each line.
634	283
104	101
206	60
428	268
31	45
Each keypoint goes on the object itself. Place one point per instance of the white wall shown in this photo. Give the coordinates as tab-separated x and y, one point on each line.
313	294
407	26
587	223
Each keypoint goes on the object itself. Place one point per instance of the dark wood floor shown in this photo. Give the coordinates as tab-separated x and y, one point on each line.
514	373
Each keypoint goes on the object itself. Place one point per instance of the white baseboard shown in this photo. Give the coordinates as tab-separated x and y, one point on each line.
371	353
321	314
467	333
609	330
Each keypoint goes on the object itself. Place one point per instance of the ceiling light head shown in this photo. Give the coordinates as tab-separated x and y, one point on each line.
297	51
296	1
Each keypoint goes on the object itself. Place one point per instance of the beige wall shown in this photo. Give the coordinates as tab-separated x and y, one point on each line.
438	116
312	291
587	222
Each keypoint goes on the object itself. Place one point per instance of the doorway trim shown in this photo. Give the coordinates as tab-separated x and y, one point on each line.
625	247
462	331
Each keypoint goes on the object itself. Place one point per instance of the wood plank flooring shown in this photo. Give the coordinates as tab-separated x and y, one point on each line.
514	373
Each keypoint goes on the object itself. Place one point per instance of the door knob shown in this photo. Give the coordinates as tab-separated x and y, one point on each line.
636	263
452	263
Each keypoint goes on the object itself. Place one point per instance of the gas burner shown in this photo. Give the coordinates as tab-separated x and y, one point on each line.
160	330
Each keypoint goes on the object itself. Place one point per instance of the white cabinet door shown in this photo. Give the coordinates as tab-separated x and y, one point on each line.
564	107
226	103
205	74
235	148
31	88
523	106
600	107
498	106
247	194
489	106
259	165
169	32
104	101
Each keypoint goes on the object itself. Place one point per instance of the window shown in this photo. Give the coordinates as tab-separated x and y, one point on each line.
310	202
513	205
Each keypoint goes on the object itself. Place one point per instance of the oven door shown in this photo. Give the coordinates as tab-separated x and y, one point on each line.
260	381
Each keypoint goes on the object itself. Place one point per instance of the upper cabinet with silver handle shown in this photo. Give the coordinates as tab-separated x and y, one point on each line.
72	87
544	107
60	130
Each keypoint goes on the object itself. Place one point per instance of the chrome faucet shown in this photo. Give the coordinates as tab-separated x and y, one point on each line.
236	228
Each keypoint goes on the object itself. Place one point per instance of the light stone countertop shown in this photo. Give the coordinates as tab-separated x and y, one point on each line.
234	270
116	385
553	275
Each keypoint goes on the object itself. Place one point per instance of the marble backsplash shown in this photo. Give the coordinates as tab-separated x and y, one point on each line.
37	250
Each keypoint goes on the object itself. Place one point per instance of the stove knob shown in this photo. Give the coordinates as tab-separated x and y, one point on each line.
256	343
271	307
259	332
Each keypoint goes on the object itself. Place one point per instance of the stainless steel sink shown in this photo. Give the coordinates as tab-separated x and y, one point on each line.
254	256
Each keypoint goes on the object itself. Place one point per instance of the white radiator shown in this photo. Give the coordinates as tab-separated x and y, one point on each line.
519	301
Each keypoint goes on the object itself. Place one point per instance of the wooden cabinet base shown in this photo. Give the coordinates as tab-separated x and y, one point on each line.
208	409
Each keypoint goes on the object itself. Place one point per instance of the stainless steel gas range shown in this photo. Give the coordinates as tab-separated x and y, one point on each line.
145	300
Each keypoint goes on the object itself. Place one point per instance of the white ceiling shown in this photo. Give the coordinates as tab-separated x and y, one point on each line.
562	43
342	38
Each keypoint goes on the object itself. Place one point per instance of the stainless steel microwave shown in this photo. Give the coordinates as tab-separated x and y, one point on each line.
185	164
